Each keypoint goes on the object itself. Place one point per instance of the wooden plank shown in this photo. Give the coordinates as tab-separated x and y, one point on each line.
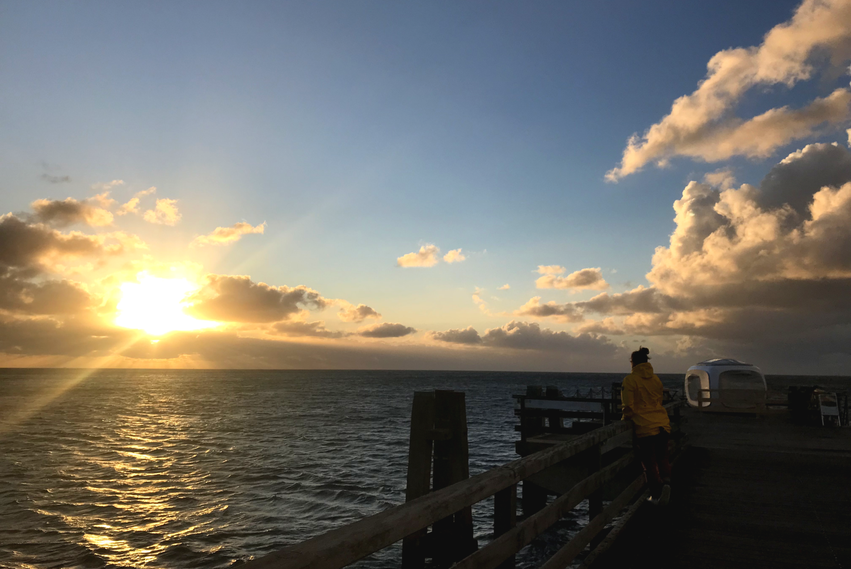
616	530
595	499
517	538
574	547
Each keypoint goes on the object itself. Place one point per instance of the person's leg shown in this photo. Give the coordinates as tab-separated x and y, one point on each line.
647	456
661	452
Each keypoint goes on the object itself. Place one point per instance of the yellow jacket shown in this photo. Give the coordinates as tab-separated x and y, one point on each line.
641	396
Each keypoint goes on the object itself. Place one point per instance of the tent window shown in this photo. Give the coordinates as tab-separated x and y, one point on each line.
741	379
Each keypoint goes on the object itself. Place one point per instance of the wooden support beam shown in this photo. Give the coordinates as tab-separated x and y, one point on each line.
522	535
505	517
574	547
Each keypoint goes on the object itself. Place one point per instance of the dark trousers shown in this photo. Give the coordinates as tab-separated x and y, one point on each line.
653	453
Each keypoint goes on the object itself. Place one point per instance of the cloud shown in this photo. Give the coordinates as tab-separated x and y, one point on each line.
585	279
62	213
563	312
700	125
528	336
107	186
359	313
467	336
504	287
454	256
56	179
132	206
427	256
35	248
751	269
227	235
385	330
45	298
165	213
309	329
722	178
226	298
481	303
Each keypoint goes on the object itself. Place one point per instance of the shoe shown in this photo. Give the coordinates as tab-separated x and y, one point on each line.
665	496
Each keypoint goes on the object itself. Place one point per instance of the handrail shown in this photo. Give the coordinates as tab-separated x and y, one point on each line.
345	545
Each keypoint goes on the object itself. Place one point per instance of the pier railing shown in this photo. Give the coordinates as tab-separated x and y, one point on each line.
343	546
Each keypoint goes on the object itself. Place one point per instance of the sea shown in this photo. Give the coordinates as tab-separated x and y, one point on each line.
208	469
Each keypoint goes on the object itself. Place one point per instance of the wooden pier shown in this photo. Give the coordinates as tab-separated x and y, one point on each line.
750	490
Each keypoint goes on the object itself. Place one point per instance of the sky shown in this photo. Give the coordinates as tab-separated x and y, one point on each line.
505	186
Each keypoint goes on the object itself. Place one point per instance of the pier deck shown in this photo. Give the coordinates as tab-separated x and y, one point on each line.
750	492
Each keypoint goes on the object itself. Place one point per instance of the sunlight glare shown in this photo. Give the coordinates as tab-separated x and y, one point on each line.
156	305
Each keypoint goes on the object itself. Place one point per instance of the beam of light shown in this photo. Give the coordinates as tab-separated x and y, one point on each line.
20	415
155	305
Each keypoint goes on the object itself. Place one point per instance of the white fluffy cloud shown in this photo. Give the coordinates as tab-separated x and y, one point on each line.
132	205
427	256
700	125
454	256
227	235
164	213
584	279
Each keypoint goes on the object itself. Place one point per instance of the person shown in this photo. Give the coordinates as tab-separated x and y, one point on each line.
641	396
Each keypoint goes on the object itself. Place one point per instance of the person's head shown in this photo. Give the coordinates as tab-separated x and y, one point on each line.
640	356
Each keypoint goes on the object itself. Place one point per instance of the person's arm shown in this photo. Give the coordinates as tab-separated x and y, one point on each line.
627	399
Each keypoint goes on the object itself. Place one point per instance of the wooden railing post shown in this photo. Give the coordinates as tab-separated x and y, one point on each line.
505	517
453	535
595	500
419	472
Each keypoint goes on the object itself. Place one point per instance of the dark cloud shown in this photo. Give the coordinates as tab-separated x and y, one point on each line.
386	330
467	336
70	338
29	247
565	312
50	297
62	213
530	336
796	179
311	329
227	298
55	179
583	279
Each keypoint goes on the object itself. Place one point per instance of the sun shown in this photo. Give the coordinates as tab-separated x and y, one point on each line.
155	305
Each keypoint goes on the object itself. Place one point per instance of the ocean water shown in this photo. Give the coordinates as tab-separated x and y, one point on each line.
207	469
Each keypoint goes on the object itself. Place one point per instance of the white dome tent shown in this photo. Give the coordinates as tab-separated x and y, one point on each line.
725	384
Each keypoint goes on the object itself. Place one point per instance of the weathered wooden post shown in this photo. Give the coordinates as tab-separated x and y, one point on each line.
419	472
438	435
505	517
